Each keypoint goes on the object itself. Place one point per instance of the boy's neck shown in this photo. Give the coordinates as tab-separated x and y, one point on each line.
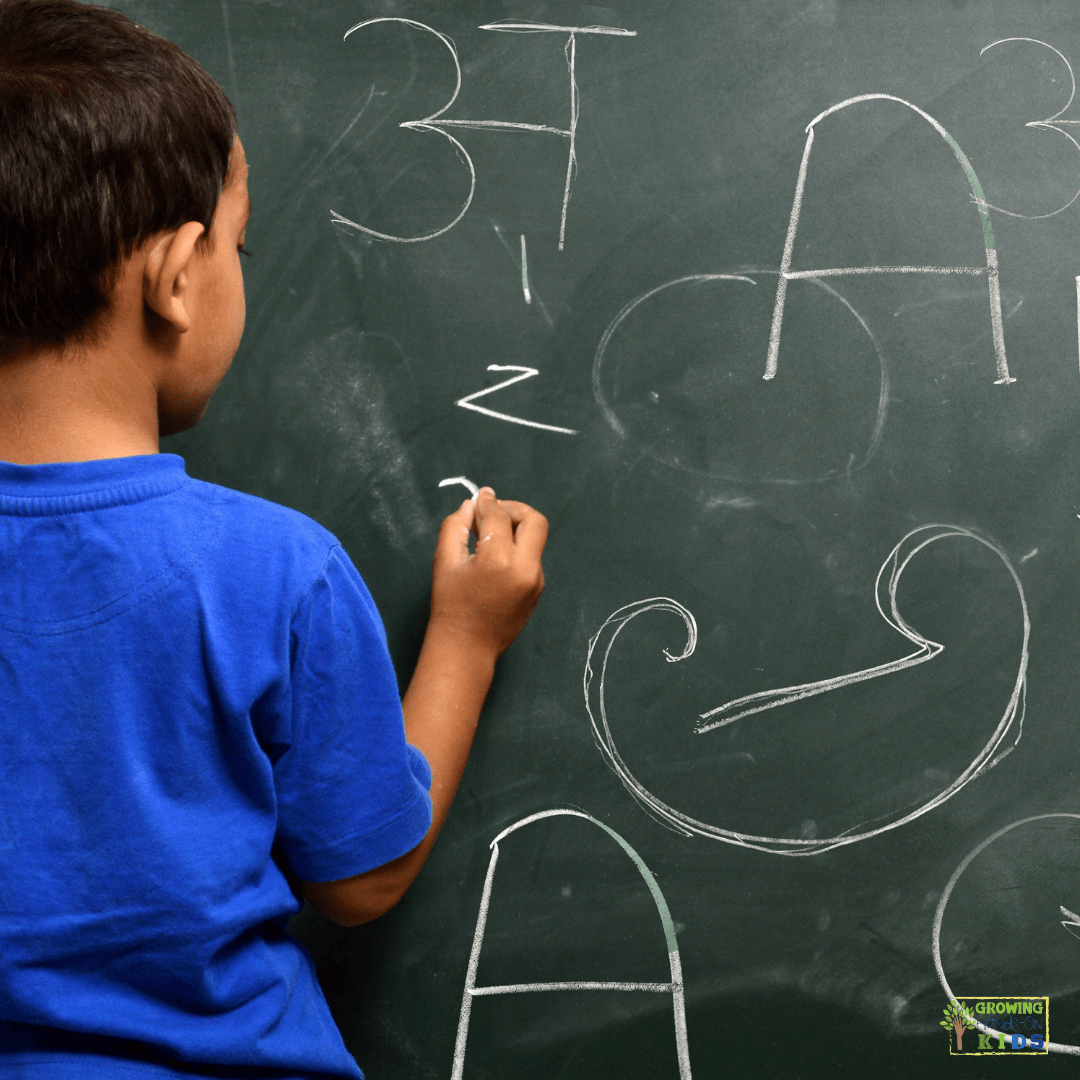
61	405
150	362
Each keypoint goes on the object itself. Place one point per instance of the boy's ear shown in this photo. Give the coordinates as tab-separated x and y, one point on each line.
165	276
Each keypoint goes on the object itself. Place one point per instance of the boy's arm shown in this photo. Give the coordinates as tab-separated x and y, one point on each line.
479	604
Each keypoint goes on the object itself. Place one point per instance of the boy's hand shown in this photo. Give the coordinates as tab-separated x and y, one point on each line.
489	594
479	603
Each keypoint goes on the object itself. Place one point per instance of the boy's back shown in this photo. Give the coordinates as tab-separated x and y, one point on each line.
199	721
190	677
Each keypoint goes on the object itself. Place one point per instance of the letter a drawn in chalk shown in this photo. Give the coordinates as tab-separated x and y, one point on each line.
524	373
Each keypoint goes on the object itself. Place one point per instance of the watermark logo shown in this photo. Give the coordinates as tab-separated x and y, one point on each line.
998	1025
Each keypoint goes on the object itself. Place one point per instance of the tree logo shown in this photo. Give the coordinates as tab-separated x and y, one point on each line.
958	1018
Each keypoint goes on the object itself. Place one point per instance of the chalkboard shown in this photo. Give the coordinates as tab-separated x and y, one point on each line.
772	309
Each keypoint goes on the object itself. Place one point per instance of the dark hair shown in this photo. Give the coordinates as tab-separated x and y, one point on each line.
108	134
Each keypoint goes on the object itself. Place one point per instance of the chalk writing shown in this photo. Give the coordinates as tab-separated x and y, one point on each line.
1071	922
1051	123
533	294
507	26
525	272
990	269
674	987
855	462
464	481
435	122
524	373
426	124
915	541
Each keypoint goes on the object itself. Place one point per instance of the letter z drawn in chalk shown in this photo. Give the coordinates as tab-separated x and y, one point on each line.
524	373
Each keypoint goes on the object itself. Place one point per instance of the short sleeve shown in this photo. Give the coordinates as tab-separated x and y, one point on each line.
351	793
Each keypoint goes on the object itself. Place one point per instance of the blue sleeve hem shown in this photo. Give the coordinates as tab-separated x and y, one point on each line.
421	770
360	852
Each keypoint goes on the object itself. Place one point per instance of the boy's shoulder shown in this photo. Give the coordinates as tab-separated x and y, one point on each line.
101	538
255	541
255	517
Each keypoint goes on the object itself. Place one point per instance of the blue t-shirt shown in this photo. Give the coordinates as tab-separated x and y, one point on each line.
197	707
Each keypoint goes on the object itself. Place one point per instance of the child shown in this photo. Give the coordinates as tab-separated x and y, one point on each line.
199	717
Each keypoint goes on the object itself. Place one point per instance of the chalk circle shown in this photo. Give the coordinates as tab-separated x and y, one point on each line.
603	641
939	915
693	399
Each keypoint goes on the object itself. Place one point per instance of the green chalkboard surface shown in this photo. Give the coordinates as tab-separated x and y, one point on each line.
771	307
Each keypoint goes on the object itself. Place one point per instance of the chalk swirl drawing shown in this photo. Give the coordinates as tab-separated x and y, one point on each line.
943	902
1051	123
433	122
889	576
674	987
640	305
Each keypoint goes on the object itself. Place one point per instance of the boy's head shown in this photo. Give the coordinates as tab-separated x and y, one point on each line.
109	134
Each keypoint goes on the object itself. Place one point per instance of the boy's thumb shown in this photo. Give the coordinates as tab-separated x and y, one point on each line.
453	545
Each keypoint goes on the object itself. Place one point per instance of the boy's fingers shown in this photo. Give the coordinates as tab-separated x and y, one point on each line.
453	545
518	511
493	524
530	529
